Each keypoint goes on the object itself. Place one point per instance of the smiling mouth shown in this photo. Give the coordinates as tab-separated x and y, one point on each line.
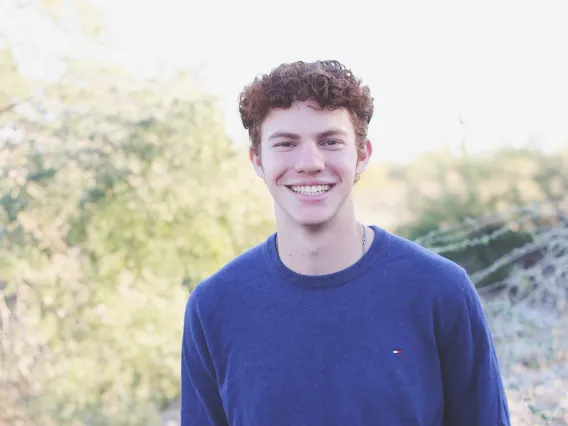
310	190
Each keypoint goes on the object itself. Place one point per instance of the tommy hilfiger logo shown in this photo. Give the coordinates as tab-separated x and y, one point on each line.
397	351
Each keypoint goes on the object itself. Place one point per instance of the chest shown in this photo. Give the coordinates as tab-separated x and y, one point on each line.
334	357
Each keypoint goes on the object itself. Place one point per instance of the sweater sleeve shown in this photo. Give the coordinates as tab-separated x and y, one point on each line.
201	403
473	388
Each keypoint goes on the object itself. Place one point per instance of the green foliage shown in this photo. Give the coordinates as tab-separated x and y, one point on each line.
116	197
117	193
447	191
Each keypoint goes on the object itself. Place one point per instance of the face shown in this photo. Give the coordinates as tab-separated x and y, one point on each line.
309	160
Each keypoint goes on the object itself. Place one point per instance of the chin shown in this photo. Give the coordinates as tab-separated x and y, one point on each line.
305	214
312	220
311	223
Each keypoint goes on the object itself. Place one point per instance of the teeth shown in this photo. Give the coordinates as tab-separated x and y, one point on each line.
311	190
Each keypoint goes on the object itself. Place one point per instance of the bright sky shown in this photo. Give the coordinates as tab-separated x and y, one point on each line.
500	65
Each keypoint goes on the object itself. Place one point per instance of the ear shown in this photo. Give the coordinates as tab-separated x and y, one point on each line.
364	156
256	163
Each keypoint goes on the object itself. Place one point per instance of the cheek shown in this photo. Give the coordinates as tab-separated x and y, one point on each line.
342	165
275	169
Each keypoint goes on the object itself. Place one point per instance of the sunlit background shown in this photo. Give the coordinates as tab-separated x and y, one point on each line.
491	71
124	179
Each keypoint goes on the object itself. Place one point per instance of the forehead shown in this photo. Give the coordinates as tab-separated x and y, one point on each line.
306	119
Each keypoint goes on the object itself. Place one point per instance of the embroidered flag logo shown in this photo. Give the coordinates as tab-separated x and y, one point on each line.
397	351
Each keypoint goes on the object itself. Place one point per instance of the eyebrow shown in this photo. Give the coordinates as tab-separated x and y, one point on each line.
324	134
286	135
332	132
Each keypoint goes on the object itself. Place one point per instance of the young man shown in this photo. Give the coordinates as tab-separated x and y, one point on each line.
330	322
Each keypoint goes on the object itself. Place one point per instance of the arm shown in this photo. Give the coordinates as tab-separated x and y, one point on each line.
473	388
200	400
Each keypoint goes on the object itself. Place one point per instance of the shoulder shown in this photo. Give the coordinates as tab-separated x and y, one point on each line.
425	273
433	277
420	262
440	286
221	285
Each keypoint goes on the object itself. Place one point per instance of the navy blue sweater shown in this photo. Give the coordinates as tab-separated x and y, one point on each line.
399	338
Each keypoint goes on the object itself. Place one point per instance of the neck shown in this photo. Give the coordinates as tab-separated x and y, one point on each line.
322	249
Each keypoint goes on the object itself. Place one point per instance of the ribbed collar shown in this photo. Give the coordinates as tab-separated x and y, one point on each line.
276	265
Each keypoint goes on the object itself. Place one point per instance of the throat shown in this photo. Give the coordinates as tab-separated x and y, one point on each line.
323	254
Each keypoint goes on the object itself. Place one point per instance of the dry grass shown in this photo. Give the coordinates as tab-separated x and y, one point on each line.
532	346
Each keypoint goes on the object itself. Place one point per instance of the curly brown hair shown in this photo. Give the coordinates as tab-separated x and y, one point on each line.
329	83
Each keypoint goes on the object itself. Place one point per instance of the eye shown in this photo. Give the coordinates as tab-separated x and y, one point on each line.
284	144
332	142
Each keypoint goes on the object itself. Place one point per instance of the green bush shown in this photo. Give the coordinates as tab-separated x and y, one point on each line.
446	192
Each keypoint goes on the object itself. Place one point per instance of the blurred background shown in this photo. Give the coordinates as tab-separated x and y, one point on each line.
124	179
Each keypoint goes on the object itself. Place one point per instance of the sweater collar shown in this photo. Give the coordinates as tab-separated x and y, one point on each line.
328	280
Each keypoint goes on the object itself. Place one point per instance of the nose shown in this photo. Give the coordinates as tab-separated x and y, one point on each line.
310	159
